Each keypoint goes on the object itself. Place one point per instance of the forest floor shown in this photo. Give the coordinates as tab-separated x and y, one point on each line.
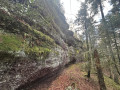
74	78
71	78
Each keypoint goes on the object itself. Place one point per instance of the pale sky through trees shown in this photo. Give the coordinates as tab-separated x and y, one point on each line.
72	6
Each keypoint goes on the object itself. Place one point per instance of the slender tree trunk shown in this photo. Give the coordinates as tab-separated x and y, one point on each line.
101	10
110	68
110	73
99	71
116	76
89	60
109	60
91	55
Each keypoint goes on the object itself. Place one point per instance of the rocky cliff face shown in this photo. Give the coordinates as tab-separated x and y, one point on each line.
34	41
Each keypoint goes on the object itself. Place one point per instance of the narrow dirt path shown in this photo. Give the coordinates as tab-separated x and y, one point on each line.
71	77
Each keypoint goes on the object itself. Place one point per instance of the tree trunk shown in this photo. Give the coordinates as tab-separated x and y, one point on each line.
91	48
116	76
110	73
101	10
89	60
110	68
99	71
109	60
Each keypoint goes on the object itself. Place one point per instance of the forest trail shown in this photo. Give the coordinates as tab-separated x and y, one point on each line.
71	77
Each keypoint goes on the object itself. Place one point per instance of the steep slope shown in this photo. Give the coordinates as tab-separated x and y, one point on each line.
34	41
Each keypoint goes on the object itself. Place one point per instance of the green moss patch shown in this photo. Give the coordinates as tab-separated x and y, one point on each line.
43	36
39	53
37	49
10	42
111	84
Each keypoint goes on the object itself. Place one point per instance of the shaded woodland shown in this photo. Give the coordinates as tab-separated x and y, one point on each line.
35	44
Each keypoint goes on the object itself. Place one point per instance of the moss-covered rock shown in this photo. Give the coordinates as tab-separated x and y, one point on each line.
39	53
14	43
10	42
